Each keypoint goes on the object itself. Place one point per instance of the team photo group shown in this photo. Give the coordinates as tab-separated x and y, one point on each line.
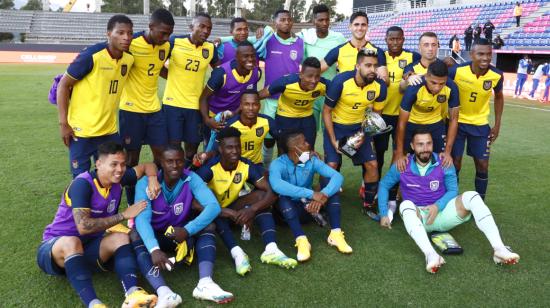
257	102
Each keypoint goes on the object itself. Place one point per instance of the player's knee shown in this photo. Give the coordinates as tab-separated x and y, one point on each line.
118	239
209	229
333	165
288	211
469	199
407	207
70	245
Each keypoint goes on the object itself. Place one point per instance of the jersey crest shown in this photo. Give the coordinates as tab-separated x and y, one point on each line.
238	178
402	63
111	206
316	93
293	55
123	70
178	208
162	54
205	53
434	185
259	132
487	84
441	98
371	95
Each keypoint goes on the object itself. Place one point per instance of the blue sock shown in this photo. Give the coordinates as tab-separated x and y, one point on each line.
370	192
146	267
333	211
290	214
267	226
126	267
224	230
206	253
481	181
80	278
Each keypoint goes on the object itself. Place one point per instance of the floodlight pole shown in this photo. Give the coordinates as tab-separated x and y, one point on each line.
145	7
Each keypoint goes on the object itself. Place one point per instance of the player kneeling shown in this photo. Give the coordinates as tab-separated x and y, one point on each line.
432	203
170	224
291	176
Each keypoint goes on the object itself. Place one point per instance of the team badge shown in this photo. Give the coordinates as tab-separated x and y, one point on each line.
178	208
238	178
259	131
487	84
123	70
162	54
402	63
434	185
293	55
250	87
315	93
441	98
205	53
111	206
371	95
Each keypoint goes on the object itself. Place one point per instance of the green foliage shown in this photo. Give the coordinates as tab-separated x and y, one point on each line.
221	8
335	17
32	5
6	4
129	6
177	8
264	9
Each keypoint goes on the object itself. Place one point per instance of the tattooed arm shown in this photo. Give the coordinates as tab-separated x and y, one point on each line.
88	225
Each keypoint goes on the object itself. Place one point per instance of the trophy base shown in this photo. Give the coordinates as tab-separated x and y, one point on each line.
345	148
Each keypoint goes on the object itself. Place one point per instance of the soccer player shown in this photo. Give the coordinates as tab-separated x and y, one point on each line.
523	68
140	116
421	108
544	98
348	97
190	56
397	59
345	55
291	176
226	175
78	242
226	84
541	70
431	202
476	81
282	55
87	95
238	28
173	207
297	93
428	45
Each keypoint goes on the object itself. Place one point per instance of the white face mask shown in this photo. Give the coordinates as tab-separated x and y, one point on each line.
304	157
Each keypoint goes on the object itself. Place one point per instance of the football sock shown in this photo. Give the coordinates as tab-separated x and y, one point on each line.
163	291
237	254
224	230
267	226
206	253
481	181
80	278
146	267
370	192
414	227
272	248
333	211
94	302
482	215
126	267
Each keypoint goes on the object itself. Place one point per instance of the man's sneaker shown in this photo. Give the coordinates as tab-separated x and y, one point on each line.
506	256
140	299
336	239
434	262
242	266
278	258
371	211
212	292
171	300
532	98
304	249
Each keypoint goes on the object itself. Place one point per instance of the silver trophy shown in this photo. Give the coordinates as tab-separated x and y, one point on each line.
372	125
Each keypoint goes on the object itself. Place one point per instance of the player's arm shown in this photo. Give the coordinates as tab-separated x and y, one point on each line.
284	188
330	58
276	87
63	94
261	182
210	206
499	108
380	101
382	70
453	123
336	179
145	169
386	183
334	91
143	220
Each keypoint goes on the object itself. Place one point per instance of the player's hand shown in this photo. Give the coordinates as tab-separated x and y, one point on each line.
320	197
229	213
200	158
159	259
446	159
385	222
134	210
313	207
414	80
259	33
245	216
494	134
179	235
214	125
401	162
335	145
433	209
67	133
153	188
217	41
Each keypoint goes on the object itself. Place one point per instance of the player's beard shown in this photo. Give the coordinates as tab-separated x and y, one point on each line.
423	157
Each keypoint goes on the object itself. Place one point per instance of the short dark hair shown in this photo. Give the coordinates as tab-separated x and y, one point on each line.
202	14
481	42
438	68
250	92
108	148
320	8
162	16
285	137
420	131
394	29
358	14
311	62
118	19
365	52
227	132
427	34
236	20
280	11
244	43
172	147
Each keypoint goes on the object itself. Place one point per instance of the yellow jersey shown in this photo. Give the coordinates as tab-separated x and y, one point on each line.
345	56
293	101
425	107
419	69
252	138
396	66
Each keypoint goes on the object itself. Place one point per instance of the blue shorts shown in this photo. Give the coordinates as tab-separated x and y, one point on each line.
364	154
382	141
91	254
305	125
438	131
137	129
81	150
477	136
183	124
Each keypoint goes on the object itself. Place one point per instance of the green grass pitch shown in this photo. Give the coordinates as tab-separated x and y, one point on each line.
385	269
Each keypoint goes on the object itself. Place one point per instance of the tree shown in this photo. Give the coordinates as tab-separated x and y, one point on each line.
6	4
220	8
177	8
331	4
32	5
297	8
264	9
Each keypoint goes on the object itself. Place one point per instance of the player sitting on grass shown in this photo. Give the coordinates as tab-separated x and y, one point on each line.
77	241
291	176
431	203
173	207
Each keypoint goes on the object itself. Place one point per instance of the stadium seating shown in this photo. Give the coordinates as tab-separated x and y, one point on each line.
448	21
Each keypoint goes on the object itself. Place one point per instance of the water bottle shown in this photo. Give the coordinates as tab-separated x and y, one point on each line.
245	233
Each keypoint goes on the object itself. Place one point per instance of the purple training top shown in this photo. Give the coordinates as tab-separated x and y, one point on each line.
172	214
422	190
229	52
228	97
281	59
63	223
